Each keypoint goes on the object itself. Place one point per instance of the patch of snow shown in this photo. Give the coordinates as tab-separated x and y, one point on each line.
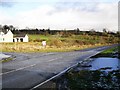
4	56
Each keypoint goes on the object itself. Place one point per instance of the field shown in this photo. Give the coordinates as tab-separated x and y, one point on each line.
57	43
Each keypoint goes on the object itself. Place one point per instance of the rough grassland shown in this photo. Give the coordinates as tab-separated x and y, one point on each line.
56	43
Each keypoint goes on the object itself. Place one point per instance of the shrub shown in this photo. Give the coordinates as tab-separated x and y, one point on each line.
56	42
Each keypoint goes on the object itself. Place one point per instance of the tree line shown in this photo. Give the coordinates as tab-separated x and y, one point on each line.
64	33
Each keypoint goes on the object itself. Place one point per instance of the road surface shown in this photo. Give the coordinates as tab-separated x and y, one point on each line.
30	69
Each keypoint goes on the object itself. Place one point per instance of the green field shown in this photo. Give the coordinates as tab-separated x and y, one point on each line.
38	37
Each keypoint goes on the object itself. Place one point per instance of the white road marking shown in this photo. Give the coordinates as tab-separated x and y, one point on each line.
38	63
54	59
18	69
27	67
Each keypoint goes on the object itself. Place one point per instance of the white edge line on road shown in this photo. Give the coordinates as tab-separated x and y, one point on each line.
62	72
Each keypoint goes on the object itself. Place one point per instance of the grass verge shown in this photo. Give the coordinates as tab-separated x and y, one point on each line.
90	80
37	47
112	52
6	60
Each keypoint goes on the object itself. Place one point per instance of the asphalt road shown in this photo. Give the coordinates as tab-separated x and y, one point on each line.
30	69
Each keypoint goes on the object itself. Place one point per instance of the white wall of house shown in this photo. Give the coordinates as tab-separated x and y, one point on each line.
1	39
1	36
6	37
25	39
9	37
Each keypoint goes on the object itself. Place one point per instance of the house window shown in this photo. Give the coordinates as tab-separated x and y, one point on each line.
3	39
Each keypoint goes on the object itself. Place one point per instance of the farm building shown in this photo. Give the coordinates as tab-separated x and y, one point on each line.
20	38
9	37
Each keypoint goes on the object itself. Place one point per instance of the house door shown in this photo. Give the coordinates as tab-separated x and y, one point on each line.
13	40
17	39
21	40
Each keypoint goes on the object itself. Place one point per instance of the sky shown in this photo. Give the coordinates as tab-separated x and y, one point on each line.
60	14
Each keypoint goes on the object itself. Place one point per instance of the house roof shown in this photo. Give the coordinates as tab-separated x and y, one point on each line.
5	32
19	35
1	33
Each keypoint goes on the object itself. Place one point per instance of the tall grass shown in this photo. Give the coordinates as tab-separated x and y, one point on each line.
56	43
37	47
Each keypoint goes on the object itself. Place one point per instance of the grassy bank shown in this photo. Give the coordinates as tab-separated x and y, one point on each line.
56	43
89	80
6	60
112	52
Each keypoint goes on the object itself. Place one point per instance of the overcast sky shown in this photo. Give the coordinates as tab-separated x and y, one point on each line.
60	14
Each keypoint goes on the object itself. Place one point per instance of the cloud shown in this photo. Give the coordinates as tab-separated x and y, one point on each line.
101	15
7	3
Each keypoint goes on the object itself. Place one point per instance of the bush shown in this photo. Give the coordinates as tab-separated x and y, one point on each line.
37	40
56	42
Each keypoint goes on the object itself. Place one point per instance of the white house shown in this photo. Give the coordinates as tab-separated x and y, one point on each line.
6	36
9	37
20	38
